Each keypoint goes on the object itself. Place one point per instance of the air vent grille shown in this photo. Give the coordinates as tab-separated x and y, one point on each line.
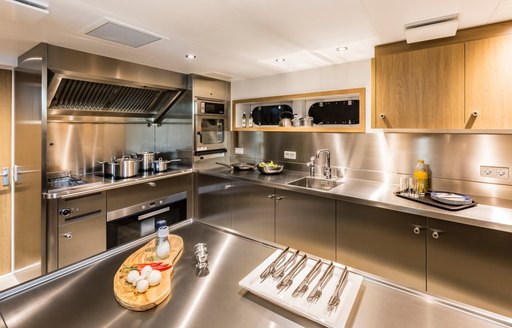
124	35
94	97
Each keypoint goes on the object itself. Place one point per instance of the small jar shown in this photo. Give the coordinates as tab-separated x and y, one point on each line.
244	120
163	247
421	177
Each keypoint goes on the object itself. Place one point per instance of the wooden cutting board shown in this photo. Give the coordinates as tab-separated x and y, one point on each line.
128	296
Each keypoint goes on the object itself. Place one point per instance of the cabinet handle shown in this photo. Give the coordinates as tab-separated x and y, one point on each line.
475	113
67	235
152	184
382	116
226	187
270	196
279	197
416	230
435	234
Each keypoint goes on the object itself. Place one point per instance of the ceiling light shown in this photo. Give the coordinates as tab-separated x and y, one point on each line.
431	29
342	49
280	60
190	56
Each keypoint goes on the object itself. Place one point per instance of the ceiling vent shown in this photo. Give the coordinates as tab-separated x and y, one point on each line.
431	29
38	5
127	36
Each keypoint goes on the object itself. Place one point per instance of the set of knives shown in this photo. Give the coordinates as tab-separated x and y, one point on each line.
285	268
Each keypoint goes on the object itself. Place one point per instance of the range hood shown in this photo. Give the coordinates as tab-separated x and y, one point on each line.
84	84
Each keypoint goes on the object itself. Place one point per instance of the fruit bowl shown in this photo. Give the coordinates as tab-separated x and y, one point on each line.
269	167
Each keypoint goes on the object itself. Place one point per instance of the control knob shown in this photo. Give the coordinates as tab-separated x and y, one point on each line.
65	212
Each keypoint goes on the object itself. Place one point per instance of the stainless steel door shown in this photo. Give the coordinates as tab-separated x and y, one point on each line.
306	222
252	210
81	239
470	264
27	170
214	200
382	242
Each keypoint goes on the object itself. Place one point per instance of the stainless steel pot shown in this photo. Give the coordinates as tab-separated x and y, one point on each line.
147	158
161	165
125	167
306	121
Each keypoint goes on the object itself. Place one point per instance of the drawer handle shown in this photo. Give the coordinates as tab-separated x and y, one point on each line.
270	196
152	184
67	235
279	197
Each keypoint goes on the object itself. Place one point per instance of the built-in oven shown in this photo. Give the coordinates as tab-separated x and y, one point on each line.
131	223
210	134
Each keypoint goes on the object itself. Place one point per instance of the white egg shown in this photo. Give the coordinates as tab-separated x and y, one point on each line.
142	285
132	275
146	271
154	277
136	281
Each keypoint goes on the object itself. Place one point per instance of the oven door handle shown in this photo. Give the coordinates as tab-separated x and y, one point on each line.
151	214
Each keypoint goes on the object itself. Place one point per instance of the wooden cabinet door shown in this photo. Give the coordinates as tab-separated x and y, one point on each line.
306	222
471	265
420	89
488	83
386	243
5	162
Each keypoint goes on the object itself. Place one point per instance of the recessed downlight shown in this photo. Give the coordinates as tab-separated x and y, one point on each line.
280	60
190	56
340	49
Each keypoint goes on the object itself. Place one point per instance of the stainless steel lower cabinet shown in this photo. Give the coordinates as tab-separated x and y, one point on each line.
306	222
470	264
382	242
252	210
214	200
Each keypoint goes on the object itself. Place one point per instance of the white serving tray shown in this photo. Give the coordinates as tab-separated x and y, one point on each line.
314	311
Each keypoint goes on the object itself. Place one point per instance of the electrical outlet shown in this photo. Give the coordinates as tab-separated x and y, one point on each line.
290	154
239	151
498	172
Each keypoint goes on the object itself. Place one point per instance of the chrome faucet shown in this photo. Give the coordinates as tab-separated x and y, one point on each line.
327	166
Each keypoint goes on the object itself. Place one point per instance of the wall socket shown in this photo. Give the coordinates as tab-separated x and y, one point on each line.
500	172
239	151
290	154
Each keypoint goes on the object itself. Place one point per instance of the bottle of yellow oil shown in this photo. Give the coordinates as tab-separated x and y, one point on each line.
421	177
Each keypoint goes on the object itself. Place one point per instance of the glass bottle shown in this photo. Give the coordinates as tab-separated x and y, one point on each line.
158	224
163	247
421	177
244	120
250	124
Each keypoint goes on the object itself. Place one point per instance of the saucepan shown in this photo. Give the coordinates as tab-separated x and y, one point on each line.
160	165
147	158
238	166
124	167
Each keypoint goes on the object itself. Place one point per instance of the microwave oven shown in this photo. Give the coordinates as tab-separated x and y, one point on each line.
210	107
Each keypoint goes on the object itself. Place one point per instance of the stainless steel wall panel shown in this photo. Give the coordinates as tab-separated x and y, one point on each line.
454	159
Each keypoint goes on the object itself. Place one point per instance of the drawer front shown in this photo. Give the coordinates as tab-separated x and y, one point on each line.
72	208
81	239
144	192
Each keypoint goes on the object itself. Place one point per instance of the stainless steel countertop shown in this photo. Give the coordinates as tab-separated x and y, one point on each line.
82	295
377	194
96	184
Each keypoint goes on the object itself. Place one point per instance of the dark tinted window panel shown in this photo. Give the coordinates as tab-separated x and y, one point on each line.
269	115
335	112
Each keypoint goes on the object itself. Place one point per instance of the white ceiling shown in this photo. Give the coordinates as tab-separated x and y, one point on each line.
235	39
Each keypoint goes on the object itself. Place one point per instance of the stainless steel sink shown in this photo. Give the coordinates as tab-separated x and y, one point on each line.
315	183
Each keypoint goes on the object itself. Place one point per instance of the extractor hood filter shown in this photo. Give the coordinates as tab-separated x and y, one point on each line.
121	34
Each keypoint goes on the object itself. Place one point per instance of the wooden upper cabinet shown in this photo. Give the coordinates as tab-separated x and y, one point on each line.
489	83
420	89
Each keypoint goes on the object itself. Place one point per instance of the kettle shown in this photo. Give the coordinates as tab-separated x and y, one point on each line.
285	119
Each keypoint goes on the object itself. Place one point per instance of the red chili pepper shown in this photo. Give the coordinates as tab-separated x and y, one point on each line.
162	267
